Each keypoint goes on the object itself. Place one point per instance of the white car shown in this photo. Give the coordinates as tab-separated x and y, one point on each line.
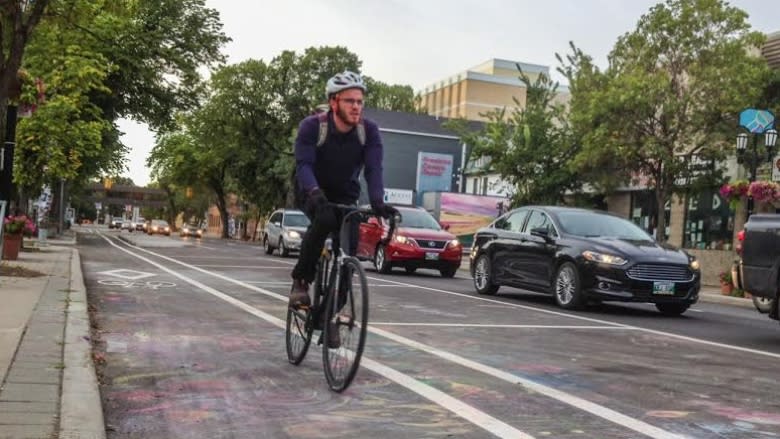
284	231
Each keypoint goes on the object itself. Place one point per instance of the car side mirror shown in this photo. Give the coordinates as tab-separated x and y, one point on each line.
278	224
444	226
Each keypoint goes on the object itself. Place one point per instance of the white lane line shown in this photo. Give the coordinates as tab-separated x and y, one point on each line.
238	266
589	319
574	401
480	325
287	283
457	407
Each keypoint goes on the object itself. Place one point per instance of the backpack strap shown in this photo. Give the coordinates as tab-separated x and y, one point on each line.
322	136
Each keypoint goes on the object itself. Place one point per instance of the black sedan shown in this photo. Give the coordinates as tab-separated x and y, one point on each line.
579	255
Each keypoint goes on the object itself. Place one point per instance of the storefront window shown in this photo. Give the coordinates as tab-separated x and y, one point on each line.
709	223
643	212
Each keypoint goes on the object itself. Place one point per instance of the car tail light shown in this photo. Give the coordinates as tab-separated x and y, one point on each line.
740	239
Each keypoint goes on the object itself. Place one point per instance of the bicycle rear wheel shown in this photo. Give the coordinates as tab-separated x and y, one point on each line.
347	316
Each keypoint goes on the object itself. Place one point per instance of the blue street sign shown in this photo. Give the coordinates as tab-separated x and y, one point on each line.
756	121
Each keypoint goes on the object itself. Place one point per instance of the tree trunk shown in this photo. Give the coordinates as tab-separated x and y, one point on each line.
223	213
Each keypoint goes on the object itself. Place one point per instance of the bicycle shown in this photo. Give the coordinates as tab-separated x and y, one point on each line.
345	312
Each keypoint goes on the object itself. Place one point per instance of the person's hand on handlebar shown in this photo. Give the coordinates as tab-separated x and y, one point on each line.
385	210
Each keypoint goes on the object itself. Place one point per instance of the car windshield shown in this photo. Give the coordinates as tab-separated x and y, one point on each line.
418	219
592	225
159	223
296	220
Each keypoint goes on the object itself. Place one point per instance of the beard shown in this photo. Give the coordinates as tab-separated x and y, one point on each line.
345	117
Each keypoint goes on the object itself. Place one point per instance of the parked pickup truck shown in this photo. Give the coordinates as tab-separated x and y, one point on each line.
758	271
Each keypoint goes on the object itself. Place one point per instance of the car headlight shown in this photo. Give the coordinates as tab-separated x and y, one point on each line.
454	243
292	234
401	239
695	264
603	258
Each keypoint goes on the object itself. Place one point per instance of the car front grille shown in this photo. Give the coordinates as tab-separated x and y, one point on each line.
430	244
653	272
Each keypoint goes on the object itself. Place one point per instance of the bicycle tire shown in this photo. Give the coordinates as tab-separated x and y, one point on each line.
297	334
301	322
351	320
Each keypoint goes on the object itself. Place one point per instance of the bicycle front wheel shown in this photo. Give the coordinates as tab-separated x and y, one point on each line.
345	331
298	334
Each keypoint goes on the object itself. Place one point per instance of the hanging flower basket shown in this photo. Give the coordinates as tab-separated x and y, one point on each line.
764	191
734	192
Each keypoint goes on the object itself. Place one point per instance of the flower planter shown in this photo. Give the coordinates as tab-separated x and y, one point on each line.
12	243
726	289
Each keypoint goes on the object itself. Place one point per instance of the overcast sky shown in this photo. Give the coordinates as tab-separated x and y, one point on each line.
418	42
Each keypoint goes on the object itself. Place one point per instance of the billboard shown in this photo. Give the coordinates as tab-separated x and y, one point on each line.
434	172
463	213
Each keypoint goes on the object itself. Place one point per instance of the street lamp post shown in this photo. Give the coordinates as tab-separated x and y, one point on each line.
759	123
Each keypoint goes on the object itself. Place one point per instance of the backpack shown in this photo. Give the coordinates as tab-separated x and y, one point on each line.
298	193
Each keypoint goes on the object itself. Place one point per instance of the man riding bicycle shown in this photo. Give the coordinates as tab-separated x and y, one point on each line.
330	151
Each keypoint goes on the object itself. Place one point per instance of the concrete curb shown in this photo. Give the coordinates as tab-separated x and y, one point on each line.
81	410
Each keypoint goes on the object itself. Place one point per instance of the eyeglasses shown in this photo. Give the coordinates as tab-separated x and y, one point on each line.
350	101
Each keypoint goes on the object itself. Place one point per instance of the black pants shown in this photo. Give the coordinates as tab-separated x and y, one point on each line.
324	222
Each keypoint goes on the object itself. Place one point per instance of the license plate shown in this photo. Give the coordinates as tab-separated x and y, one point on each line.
663	288
431	256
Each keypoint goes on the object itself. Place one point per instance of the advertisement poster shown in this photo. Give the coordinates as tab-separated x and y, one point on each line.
466	213
434	172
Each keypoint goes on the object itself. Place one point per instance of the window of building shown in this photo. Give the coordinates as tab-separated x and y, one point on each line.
709	223
644	212
484	185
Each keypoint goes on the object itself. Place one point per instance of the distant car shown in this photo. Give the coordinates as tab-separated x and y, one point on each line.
116	223
191	230
159	227
577	255
140	224
284	231
419	242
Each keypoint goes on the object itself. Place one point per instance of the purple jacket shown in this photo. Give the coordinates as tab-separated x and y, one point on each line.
335	166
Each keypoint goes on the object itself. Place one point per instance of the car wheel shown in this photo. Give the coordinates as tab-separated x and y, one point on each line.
380	261
483	281
267	245
448	272
410	270
762	304
568	293
283	250
672	309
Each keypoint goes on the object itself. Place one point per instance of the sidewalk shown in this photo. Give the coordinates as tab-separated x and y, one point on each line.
48	387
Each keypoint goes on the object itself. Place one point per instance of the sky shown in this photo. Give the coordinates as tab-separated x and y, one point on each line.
419	42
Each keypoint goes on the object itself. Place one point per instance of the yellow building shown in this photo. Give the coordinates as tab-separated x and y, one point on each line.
491	85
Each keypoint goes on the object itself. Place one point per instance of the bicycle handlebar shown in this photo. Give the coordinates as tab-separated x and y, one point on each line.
392	221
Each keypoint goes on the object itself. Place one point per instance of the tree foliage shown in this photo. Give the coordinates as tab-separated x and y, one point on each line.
531	147
671	92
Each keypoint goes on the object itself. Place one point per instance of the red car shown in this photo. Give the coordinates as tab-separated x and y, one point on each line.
419	242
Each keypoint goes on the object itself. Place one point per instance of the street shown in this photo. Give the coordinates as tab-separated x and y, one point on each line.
189	343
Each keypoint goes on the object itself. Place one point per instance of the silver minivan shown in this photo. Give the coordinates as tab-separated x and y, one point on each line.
284	231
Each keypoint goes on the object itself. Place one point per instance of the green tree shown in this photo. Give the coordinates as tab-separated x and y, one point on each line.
671	92
395	97
18	19
532	148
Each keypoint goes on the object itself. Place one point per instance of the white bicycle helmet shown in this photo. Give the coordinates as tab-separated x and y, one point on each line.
344	81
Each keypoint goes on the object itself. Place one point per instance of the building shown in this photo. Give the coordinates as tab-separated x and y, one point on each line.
492	85
420	154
